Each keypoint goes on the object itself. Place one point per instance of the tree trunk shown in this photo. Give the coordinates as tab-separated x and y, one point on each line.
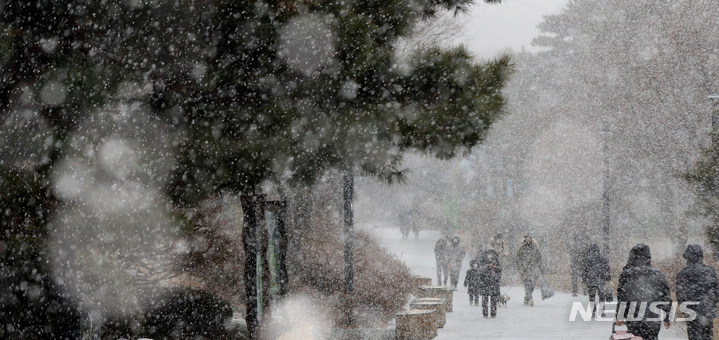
349	237
283	278
301	207
253	211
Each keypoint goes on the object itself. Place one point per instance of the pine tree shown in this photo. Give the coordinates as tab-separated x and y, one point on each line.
242	92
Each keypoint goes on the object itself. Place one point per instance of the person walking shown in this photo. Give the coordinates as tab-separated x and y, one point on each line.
577	251
640	284
456	255
416	228
529	264
404	229
595	273
697	282
441	255
471	281
490	274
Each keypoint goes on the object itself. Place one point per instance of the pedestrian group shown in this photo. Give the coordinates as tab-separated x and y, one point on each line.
638	283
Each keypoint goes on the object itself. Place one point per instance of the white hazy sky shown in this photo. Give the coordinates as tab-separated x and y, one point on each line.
512	24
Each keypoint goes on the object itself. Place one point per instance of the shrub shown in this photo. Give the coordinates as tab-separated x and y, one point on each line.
215	255
670	268
381	282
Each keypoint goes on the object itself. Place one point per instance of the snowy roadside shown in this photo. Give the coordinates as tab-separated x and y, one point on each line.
548	319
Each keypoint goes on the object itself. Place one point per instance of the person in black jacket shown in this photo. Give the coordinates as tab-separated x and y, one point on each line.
471	281
697	282
490	274
595	273
643	285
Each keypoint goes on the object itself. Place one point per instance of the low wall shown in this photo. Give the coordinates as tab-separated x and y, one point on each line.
363	334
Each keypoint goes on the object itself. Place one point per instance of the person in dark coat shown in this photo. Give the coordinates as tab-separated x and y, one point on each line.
490	274
697	282
595	273
416	228
642	284
472	281
529	264
404	229
406	220
456	256
441	250
577	250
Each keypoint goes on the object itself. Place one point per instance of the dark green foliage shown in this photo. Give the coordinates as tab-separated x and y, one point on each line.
253	112
704	176
24	200
33	305
173	313
459	101
185	313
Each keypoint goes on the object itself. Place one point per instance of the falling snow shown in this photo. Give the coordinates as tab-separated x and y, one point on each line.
171	164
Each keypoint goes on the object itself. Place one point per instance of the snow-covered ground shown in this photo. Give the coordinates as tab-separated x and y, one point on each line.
548	319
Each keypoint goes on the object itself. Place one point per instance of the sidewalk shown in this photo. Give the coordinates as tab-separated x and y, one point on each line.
548	319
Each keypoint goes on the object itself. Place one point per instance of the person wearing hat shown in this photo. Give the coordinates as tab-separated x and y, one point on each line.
640	284
529	264
697	282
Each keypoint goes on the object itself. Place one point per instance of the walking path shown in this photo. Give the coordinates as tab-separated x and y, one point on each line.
548	319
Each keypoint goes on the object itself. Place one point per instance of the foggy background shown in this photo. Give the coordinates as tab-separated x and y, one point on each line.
615	104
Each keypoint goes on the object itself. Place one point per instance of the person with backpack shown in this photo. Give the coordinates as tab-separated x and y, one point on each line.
641	284
697	282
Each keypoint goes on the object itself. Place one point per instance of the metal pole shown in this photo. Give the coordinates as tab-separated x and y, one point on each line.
714	99
348	216
250	206
282	254
605	194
